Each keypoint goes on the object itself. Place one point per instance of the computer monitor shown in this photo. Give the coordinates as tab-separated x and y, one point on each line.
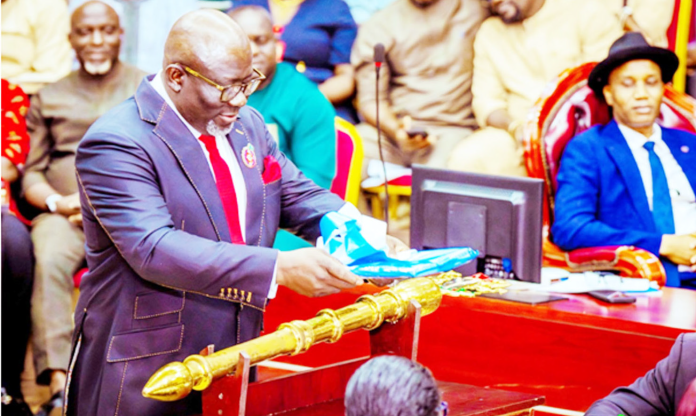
499	216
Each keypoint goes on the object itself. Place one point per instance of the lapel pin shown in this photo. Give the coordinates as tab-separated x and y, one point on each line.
248	156
685	149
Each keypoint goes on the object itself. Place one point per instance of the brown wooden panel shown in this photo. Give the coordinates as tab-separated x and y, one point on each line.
572	365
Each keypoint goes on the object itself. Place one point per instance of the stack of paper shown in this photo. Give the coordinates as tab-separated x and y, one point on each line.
553	281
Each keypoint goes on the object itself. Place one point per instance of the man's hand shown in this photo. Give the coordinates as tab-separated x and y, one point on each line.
76	219
68	205
10	173
680	249
410	143
394	245
312	272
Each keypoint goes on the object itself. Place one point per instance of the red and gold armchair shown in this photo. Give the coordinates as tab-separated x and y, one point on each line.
560	114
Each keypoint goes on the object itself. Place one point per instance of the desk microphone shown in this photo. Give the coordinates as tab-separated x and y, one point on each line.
379	60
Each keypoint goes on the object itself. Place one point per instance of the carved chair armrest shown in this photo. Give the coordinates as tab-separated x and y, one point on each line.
627	260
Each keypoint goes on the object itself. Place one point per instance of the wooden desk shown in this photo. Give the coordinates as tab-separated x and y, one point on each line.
463	400
573	352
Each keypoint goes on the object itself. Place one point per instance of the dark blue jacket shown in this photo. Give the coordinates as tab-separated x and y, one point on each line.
601	199
164	279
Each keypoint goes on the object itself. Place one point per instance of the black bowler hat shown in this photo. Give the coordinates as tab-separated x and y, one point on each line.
629	47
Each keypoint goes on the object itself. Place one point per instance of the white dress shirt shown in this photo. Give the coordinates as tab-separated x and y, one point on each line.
227	154
223	146
682	195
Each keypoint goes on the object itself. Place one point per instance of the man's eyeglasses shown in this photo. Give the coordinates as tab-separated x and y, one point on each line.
227	93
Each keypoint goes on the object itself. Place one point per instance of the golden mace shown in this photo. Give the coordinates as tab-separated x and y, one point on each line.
175	380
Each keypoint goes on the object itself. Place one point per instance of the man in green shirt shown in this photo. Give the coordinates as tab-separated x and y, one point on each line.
297	114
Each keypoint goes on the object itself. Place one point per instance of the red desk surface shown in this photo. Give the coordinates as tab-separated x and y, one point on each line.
573	352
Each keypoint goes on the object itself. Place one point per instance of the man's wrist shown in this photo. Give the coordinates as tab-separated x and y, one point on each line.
665	245
52	202
278	276
389	131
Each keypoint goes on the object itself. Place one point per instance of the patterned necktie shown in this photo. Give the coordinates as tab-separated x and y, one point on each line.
662	201
225	186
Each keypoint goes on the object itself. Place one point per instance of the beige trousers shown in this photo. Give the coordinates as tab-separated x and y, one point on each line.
489	151
59	251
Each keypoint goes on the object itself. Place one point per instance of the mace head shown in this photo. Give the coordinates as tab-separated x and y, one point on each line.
169	383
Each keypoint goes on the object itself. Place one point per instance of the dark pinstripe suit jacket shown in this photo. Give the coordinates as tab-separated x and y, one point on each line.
164	279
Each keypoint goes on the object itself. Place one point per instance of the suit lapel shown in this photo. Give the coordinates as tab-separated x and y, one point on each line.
186	150
683	152
255	207
626	164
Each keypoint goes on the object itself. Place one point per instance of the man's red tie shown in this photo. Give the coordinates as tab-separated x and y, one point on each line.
225	186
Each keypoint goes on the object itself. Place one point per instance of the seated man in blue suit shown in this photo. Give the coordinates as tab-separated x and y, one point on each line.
631	181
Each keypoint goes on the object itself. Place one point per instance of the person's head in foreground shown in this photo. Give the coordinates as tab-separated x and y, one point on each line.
208	71
393	386
632	80
95	35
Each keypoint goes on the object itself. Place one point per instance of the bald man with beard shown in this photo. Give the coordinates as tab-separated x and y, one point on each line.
183	190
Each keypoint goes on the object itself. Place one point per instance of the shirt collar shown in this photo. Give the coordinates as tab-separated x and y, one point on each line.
158	84
636	140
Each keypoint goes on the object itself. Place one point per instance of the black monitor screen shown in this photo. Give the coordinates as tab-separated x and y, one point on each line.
499	216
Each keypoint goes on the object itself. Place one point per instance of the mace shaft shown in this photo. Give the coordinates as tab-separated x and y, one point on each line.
175	380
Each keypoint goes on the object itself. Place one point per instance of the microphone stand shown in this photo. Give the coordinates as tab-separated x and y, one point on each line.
378	66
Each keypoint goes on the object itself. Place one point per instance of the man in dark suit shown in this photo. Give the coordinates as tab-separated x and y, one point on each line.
661	391
183	190
631	181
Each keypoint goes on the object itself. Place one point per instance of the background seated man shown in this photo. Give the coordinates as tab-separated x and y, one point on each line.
59	116
297	114
661	391
631	181
516	53
393	386
316	38
425	82
17	253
